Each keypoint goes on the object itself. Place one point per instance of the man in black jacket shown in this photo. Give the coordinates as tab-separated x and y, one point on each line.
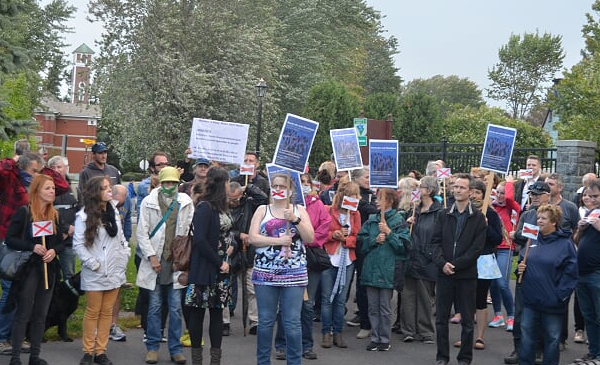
243	201
460	237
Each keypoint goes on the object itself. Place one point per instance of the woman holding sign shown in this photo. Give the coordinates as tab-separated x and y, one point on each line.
31	292
278	231
340	245
383	242
549	273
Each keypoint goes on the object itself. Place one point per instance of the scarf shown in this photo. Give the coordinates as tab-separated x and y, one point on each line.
108	220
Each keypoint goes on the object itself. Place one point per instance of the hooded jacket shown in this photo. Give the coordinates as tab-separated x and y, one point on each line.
551	273
380	259
463	250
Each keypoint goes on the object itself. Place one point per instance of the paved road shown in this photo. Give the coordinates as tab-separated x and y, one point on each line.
240	350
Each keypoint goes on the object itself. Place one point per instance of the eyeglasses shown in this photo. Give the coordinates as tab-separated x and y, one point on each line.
161	164
279	187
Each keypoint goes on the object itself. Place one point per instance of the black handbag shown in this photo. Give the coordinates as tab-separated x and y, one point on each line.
13	262
317	259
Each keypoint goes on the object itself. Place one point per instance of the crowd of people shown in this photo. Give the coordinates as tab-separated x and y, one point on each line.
445	247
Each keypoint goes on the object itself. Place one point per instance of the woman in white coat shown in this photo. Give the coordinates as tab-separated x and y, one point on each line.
101	246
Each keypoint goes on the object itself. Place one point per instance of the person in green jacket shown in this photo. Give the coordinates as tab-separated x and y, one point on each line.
384	242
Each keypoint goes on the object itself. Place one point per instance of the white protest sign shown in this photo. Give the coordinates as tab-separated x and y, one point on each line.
219	141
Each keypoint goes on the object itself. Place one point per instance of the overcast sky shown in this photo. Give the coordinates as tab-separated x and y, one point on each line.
446	37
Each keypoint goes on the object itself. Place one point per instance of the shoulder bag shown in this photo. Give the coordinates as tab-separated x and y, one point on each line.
13	262
181	250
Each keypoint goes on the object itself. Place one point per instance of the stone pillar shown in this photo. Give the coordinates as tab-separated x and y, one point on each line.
574	159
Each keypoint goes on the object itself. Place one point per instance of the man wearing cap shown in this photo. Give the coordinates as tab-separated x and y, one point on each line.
164	214
98	167
200	169
539	193
251	158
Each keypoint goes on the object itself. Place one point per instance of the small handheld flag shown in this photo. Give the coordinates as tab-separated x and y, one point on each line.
246	169
494	194
526	174
350	203
443	173
513	217
530	231
415	195
43	228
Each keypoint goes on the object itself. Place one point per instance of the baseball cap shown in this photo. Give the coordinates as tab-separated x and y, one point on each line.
202	161
99	147
539	187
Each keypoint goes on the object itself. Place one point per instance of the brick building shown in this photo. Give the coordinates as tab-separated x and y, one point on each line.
68	128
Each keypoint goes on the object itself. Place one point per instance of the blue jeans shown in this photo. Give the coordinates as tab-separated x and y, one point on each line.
67	263
6	319
534	323
588	292
307	315
289	300
332	313
153	330
500	289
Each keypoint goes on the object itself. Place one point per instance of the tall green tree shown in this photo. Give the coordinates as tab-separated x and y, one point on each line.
591	31
526	66
449	90
419	119
334	106
381	105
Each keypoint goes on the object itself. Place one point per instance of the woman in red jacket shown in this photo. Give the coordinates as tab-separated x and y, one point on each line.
340	245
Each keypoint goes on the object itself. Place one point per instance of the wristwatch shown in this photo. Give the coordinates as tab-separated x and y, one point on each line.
297	221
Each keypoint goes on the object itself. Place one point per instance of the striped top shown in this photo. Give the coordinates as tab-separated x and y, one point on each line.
277	265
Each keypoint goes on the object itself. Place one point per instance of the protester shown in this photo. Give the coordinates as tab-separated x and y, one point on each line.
533	163
320	220
460	237
278	231
383	243
101	246
164	214
257	179
200	170
30	292
209	267
418	296
549	274
98	167
341	246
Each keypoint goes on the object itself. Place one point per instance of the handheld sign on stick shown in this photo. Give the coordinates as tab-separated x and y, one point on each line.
530	231
43	229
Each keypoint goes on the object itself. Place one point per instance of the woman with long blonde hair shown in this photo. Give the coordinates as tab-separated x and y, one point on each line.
33	298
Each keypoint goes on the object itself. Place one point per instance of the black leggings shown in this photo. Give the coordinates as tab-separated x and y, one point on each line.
483	287
215	327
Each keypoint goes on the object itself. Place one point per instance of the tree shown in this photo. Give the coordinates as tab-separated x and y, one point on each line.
591	32
449	90
419	119
333	105
527	64
380	105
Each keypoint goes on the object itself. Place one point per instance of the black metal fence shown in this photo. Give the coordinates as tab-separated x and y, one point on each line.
460	157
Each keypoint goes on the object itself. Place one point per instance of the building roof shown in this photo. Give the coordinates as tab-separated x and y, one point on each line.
50	104
84	49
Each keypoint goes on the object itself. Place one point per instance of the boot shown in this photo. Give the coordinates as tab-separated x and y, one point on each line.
215	356
197	356
327	340
339	341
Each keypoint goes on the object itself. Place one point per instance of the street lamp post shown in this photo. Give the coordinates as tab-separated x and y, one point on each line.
261	90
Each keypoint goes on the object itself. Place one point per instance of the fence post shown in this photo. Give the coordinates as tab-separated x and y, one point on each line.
574	159
444	149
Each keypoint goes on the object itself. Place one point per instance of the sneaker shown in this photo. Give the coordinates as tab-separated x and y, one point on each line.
87	359
584	358
309	355
408	338
539	358
5	348
513	358
116	334
144	339
163	339
363	334
384	347
185	340
252	330
497	321
428	340
280	354
455	319
510	323
25	347
354	322
373	346
102	359
579	337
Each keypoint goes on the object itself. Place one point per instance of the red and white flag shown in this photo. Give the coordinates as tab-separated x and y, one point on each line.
526	174
530	231
43	228
246	169
350	203
443	173
494	194
593	214
415	195
278	194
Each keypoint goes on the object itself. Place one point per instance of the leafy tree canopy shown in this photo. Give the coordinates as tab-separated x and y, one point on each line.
448	90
